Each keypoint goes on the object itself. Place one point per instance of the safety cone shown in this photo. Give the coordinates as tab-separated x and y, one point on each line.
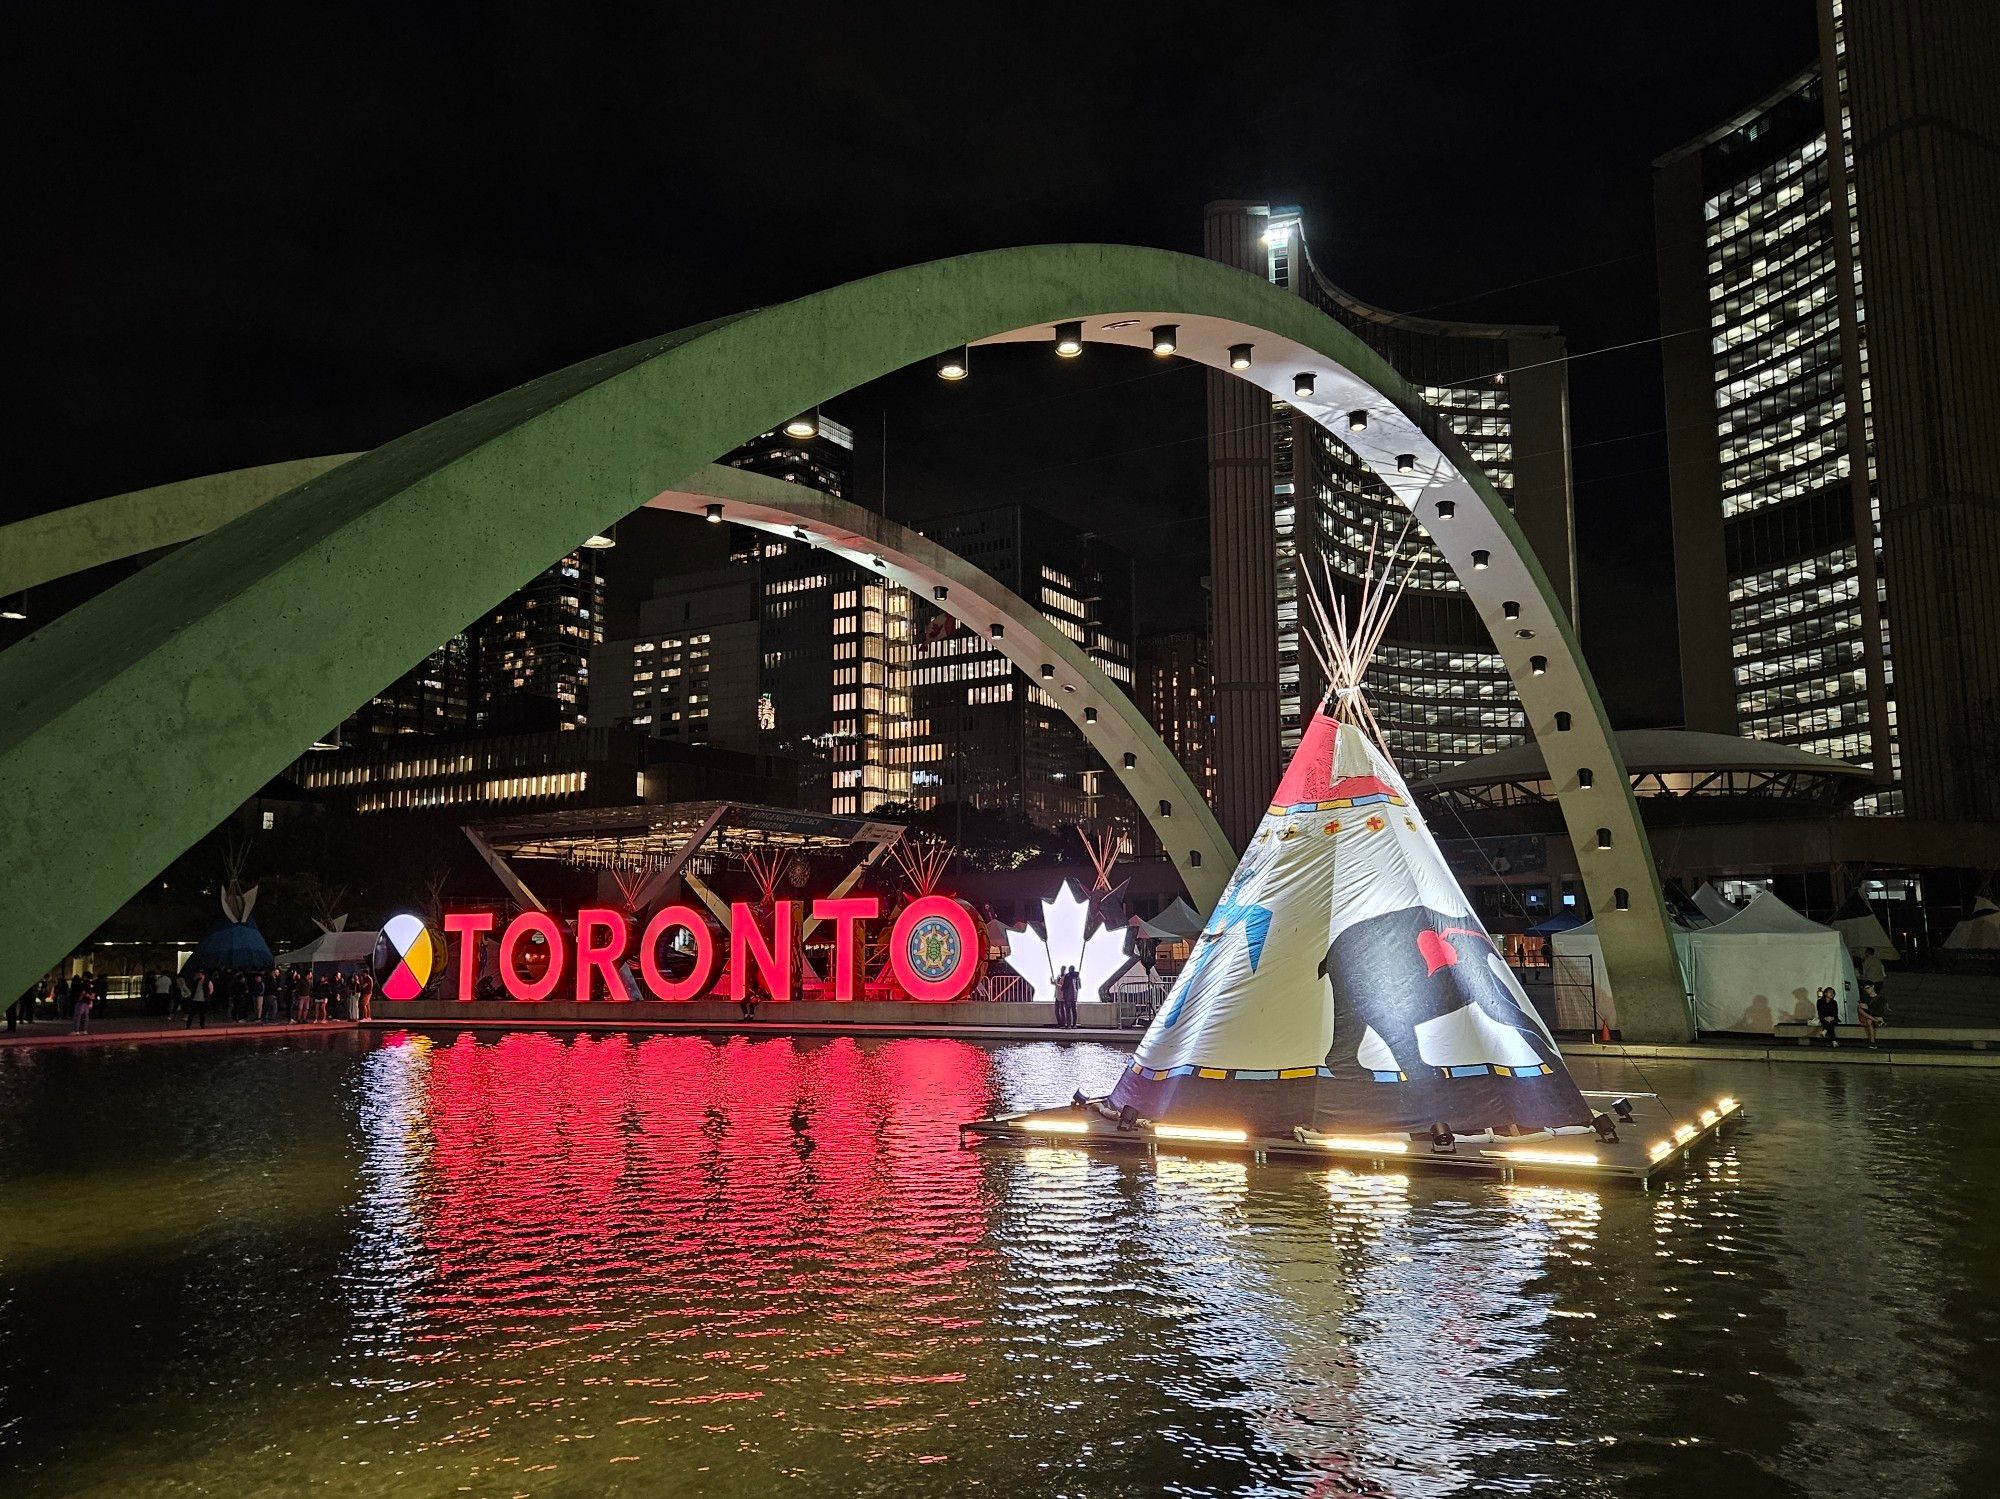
1604	1032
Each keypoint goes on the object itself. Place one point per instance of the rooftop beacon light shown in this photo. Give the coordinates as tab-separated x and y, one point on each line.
1069	339
1166	339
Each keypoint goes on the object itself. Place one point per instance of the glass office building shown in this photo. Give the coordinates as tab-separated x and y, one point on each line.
1830	253
1286	495
1771	424
988	735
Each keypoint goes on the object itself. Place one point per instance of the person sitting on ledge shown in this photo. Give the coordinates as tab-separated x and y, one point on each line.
1829	1016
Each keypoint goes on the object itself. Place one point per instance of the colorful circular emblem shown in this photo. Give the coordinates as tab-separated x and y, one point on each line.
934	948
404	958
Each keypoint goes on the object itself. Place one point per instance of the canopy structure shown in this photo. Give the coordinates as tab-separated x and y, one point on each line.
331	947
1344	983
1979	932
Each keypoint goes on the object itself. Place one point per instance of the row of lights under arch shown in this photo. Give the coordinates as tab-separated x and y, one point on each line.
956	364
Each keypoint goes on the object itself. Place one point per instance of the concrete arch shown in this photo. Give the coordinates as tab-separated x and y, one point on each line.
132	724
100	531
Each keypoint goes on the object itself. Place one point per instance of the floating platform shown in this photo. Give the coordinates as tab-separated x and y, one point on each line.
1655	1141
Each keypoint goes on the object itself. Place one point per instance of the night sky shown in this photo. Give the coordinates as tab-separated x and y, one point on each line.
247	235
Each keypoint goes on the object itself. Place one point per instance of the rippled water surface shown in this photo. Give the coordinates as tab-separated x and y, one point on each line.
671	1265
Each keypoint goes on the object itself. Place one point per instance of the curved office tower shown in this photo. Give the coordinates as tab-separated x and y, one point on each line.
1829	450
1283	495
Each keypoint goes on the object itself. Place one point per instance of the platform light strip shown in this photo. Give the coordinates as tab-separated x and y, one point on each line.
1709	1116
1661	1150
1059	1126
1683	1133
1546	1157
1365	1147
1200	1132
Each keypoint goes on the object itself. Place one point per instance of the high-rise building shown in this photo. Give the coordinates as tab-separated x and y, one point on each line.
523	667
440	696
1176	692
990	737
691	673
1832	311
788	650
1285	494
835	640
834	688
534	650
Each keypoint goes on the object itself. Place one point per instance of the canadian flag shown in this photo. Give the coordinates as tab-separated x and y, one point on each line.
938	627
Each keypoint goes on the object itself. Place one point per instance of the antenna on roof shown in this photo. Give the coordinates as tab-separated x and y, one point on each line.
1344	645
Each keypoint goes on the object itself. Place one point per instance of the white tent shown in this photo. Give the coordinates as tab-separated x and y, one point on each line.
1863	932
1763	965
332	947
1979	932
1179	920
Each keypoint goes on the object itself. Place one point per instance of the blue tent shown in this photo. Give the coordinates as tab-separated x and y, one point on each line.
233	944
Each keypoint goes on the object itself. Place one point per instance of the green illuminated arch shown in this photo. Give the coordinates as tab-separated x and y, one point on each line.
133	724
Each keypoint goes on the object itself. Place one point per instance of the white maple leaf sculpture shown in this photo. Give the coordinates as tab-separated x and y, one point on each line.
1097	956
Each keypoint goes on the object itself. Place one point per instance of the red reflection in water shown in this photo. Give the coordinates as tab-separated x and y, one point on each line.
687	1186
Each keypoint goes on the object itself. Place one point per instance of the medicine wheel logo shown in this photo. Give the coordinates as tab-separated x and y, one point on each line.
404	958
934	949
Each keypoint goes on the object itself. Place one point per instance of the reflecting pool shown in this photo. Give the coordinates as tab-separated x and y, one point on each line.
674	1265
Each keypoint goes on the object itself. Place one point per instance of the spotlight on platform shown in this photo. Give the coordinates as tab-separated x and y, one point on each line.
1606	1130
1443	1142
1622	1107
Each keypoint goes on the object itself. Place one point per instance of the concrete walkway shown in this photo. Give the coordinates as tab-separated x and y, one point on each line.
126	1031
151	1029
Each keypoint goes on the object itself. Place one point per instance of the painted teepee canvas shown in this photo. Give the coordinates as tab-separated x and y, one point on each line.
1344	982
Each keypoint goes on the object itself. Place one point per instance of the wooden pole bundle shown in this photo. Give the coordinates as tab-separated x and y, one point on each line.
1344	646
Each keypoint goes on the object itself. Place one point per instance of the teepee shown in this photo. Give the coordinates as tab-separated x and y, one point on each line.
1344	982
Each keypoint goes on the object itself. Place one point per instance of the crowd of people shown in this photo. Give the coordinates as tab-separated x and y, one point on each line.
243	996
